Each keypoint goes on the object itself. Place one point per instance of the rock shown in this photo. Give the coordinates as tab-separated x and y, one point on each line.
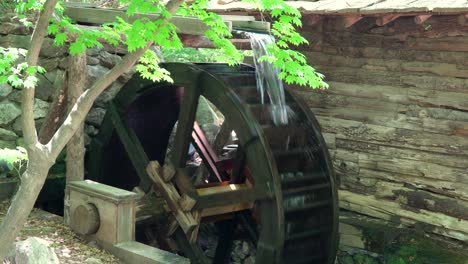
92	52
92	261
5	89
35	251
91	130
63	63
92	60
49	50
95	116
15	96
45	86
17	41
40	108
94	73
245	248
9	111
108	94
250	260
14	28
206	114
7	134
49	64
109	60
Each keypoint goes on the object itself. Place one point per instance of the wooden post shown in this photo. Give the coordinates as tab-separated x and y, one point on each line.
75	147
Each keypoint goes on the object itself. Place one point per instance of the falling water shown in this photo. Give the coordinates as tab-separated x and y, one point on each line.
268	78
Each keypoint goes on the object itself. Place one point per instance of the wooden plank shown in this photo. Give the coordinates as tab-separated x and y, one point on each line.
361	131
185	25
356	147
172	197
258	26
371	205
224	195
412	167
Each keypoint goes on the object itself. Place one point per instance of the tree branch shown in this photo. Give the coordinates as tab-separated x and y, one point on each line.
40	31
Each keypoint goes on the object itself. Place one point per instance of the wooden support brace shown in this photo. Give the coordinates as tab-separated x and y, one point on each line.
187	203
349	21
421	18
168	172
171	195
385	19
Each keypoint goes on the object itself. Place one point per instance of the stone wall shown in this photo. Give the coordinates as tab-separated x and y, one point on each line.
55	61
396	117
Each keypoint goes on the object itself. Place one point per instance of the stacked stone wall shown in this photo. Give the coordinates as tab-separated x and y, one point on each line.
396	117
55	60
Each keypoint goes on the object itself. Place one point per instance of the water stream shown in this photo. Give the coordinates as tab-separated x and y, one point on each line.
268	82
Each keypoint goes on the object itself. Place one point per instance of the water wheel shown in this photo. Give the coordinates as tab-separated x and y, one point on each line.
271	185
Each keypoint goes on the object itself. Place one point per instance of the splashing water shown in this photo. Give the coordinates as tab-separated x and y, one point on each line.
267	78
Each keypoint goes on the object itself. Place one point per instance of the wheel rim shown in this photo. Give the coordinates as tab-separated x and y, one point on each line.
222	86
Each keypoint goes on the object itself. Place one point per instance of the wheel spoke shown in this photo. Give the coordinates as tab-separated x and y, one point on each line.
133	147
183	135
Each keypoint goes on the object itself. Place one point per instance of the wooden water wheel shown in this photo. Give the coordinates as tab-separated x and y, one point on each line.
275	187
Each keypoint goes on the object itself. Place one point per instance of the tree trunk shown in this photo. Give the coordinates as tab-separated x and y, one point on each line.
32	181
56	113
75	147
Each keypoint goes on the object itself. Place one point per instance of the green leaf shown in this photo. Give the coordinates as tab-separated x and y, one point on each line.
77	48
60	39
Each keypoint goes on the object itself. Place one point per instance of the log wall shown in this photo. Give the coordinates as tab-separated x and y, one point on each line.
396	117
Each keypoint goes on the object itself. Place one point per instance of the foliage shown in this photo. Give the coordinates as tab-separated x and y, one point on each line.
15	71
12	161
141	32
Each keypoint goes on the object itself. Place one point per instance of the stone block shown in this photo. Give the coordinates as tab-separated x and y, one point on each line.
116	209
135	252
9	111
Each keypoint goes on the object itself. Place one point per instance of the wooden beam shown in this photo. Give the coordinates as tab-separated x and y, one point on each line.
385	19
258	26
225	195
185	219
349	21
421	18
185	25
195	41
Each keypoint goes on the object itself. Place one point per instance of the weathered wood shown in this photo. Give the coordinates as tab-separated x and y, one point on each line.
195	41
185	25
353	130
171	195
386	209
385	19
187	203
421	19
349	21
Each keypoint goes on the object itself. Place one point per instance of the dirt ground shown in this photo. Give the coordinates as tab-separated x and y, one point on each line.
70	248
